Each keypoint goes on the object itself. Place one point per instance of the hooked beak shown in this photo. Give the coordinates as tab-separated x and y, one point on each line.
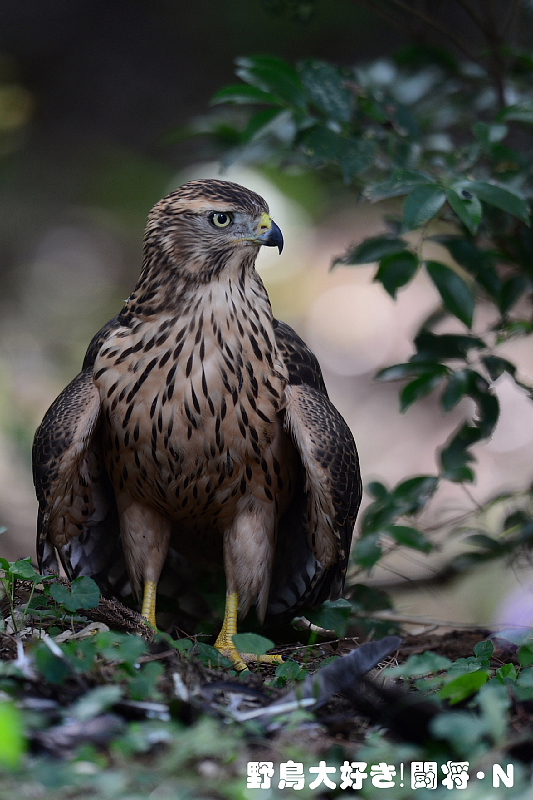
269	233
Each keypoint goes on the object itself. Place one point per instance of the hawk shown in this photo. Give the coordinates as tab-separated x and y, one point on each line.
200	425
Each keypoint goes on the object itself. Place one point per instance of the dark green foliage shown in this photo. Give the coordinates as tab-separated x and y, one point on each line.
252	643
82	594
462	178
396	269
332	615
374	249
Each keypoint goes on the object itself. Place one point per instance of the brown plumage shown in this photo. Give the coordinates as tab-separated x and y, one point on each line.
201	424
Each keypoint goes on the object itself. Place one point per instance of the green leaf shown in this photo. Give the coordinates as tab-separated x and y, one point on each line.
445	346
494	703
261	123
501	197
369	598
274	76
183	645
487	543
507	672
421	55
467	208
402	182
371	107
373	249
421	205
511	291
496	366
455	457
83	594
95	701
377	515
524	684
479	263
525	655
410	496
323	146
489	133
395	270
464	686
252	643
289	670
512	328
406	370
520	112
455	293
377	490
355	156
143	684
462	729
487	403
333	615
327	90
455	390
53	668
419	664
12	741
410	537
484	650
243	93
367	550
209	656
121	648
24	570
421	386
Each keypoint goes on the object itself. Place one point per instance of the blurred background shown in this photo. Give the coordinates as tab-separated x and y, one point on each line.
93	96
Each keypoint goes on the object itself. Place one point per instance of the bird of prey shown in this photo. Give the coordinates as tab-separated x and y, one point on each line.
200	425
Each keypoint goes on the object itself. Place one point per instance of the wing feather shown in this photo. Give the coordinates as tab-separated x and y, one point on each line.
77	517
315	536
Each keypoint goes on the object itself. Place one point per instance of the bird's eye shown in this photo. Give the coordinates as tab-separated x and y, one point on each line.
220	219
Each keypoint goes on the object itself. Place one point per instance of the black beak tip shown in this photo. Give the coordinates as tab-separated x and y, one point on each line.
275	238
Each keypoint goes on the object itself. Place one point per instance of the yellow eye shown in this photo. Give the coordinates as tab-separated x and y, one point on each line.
221	219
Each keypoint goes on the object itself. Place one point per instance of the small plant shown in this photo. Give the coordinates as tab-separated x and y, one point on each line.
53	600
456	681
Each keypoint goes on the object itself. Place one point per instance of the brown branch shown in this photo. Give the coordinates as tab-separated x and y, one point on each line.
371	6
438	26
477	19
511	17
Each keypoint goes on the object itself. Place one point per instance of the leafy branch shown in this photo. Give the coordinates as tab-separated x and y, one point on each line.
426	134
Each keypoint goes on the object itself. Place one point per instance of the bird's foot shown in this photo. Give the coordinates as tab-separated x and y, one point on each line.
226	646
240	661
148	606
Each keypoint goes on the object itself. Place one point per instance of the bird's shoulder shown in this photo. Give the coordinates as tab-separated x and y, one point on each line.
302	364
99	339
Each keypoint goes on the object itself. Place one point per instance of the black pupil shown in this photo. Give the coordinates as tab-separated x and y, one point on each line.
222	219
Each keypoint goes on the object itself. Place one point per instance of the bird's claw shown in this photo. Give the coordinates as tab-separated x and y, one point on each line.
240	661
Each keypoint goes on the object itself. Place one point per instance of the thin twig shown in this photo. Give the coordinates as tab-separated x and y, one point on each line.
472	13
466	490
394	20
409	619
438	26
511	16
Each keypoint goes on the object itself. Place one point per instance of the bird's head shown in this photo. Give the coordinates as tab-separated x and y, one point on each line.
207	226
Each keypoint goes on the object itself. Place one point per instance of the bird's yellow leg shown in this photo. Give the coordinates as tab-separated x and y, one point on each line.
148	607
224	642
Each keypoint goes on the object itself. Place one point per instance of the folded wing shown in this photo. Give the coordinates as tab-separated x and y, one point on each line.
315	535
